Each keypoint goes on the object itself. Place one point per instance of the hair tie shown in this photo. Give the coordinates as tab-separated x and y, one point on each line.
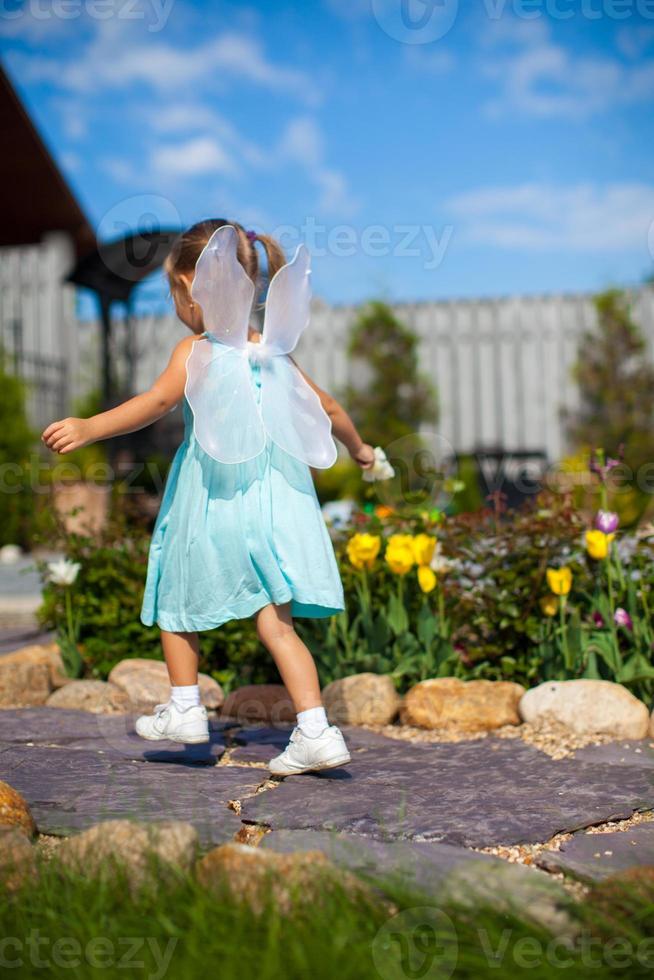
251	236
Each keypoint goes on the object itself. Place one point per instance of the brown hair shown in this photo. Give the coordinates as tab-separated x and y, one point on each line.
187	248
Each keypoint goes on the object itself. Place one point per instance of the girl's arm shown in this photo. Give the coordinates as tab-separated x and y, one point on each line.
342	426
69	434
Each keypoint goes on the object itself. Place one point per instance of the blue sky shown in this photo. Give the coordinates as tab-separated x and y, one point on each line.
502	147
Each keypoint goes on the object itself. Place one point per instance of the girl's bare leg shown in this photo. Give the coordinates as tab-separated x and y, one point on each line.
181	652
292	657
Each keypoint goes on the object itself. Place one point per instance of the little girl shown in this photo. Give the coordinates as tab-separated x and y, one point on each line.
239	532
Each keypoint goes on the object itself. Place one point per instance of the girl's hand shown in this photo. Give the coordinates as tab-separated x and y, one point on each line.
67	435
365	457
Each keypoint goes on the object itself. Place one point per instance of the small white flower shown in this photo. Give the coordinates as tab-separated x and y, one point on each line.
10	554
338	513
63	572
381	469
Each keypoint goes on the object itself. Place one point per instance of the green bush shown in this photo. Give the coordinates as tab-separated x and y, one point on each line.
16	443
483	615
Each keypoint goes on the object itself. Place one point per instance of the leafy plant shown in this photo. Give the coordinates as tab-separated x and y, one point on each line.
390	397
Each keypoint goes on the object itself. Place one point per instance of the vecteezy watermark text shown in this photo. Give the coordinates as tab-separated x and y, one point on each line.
153	14
343	241
100	953
427	21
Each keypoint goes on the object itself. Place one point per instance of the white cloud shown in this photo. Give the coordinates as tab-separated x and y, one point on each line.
113	59
192	158
540	78
634	41
303	143
538	216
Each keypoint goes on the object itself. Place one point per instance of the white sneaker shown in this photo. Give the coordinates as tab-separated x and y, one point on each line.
305	754
174	725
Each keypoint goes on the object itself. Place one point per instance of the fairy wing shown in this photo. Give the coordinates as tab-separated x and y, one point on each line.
293	415
291	410
288	303
226	420
223	289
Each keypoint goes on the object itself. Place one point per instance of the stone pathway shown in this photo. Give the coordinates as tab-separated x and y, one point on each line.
415	809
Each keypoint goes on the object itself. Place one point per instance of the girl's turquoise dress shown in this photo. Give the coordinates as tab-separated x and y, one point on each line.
233	537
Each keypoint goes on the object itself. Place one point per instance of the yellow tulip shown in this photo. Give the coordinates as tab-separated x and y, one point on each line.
598	544
362	549
559	580
399	553
549	604
426	578
424	546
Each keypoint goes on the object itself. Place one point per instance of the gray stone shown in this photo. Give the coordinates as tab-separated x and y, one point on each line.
422	864
70	791
109	735
438	871
636	753
592	857
475	794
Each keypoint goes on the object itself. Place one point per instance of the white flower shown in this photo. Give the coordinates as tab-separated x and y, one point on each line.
338	513
381	469
10	554
63	572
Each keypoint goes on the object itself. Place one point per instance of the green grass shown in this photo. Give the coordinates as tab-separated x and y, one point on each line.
64	926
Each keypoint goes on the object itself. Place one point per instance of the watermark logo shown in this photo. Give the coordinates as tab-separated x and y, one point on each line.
415	21
426	471
416	944
135	233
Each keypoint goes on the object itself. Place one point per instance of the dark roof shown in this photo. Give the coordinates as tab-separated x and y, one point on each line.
34	196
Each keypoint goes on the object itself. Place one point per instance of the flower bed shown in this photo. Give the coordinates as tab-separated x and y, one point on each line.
529	596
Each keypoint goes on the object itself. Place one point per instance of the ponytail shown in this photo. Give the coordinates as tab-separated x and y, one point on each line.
188	246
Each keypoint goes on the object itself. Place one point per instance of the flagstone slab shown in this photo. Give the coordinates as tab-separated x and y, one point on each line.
111	735
421	863
69	791
592	857
438	871
260	744
473	794
636	753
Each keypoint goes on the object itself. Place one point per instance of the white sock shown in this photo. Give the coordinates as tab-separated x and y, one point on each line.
185	697
313	721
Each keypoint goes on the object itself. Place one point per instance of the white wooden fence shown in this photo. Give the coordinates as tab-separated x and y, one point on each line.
502	367
38	331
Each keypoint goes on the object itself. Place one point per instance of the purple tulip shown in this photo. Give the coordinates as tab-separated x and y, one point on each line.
598	619
607	521
622	618
601	466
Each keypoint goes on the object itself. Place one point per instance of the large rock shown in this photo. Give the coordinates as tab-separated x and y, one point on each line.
97	697
286	880
588	707
651	726
361	699
146	683
14	811
138	850
17	858
37	653
268	703
470	706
